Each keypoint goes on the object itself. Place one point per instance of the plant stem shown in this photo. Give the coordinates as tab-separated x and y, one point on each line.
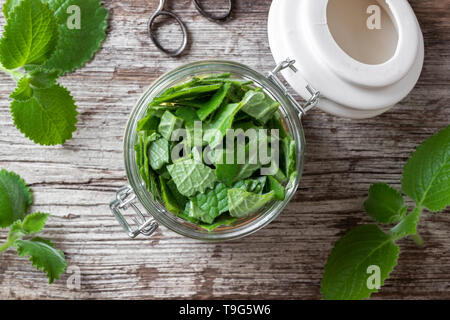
5	246
16	75
417	239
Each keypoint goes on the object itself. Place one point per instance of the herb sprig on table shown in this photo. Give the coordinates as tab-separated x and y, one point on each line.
38	45
426	180
15	201
203	186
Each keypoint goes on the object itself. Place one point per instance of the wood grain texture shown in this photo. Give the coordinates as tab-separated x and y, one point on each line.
75	182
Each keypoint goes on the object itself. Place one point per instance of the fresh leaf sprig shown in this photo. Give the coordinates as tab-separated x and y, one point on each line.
15	201
426	180
38	46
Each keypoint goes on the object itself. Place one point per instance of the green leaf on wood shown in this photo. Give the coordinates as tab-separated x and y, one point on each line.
385	204
48	117
15	198
43	256
77	44
30	35
426	176
348	269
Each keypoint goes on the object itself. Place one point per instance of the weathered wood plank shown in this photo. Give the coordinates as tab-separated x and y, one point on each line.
75	182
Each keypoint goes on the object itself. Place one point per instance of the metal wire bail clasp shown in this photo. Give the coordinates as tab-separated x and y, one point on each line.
315	95
125	198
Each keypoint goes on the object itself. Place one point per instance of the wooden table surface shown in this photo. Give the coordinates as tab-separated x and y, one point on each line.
76	181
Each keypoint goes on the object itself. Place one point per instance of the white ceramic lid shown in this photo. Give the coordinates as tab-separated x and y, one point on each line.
298	30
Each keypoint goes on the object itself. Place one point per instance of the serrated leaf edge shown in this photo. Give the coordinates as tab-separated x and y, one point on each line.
44	143
372	251
103	27
24	185
51	279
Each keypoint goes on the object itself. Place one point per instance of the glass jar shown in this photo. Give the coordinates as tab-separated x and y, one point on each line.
136	194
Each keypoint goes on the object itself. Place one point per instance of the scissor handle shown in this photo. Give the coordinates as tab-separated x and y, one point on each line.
210	16
162	12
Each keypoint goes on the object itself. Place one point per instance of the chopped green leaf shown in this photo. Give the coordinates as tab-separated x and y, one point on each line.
158	153
15	198
213	202
223	220
150	122
185	93
214	103
223	121
288	152
242	203
262	110
194	212
188	114
176	195
252	185
347	272
385	204
191	177
277	188
169	200
43	255
169	123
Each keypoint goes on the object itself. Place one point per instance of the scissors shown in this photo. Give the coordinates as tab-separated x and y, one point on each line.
160	11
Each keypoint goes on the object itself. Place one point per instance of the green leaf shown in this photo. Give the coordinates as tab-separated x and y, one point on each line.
223	121
150	179
263	109
169	123
23	91
385	204
277	188
15	198
191	177
159	153
195	213
186	92
227	172
9	6
408	225
179	199
43	256
426	176
252	185
170	201
48	117
346	273
75	46
215	80
223	220
213	202
40	78
183	85
276	122
288	151
149	122
242	203
30	35
214	103
36	79
188	114
34	222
